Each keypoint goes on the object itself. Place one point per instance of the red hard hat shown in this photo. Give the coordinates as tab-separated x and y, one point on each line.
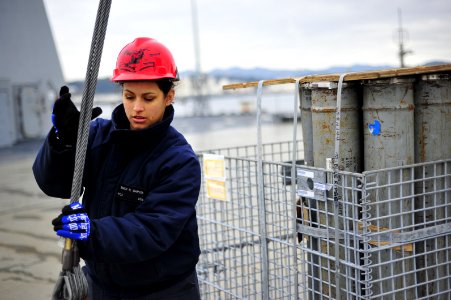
144	59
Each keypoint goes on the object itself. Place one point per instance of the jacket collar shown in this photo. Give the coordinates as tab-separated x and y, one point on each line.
121	133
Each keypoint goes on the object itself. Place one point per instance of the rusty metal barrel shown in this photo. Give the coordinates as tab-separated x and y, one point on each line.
388	114
388	120
324	106
433	117
432	142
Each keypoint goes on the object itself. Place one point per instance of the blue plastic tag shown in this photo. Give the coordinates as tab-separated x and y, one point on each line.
375	128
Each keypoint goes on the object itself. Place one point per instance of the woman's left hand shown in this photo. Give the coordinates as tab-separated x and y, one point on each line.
73	222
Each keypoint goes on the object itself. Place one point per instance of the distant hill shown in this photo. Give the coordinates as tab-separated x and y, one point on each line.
437	62
104	85
261	73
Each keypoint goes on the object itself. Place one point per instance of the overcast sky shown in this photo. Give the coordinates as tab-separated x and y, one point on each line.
275	34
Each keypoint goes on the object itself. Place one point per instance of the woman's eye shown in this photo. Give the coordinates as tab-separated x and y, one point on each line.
128	97
148	99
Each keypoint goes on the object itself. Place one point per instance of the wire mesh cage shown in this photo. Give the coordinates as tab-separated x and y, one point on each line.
272	227
388	235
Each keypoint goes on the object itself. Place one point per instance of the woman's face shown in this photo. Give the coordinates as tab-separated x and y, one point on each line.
144	103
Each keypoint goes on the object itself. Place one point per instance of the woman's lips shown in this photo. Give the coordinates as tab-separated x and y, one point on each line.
139	119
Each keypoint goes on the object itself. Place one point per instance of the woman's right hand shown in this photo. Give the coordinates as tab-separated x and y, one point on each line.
65	117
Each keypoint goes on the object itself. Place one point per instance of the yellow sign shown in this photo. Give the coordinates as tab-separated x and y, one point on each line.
216	189
215	176
214	167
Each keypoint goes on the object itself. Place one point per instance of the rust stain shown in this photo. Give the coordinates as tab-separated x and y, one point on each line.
323	110
333	109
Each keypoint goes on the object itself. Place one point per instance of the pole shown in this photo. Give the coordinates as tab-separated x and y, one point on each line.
200	105
401	34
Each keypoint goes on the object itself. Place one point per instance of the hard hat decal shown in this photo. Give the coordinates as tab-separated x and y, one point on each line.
134	64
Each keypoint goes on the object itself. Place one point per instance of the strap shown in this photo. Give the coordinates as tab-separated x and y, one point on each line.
337	137
335	185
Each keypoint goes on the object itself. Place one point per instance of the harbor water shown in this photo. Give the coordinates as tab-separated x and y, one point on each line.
229	120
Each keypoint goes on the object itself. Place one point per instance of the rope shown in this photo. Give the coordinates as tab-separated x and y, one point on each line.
92	71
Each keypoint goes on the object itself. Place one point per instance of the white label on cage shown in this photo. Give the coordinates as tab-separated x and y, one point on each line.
304	173
216	189
308	194
215	176
214	166
322	186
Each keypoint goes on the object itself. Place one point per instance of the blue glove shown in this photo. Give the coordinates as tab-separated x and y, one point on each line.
73	222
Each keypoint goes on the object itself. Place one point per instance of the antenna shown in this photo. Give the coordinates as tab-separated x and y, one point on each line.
198	80
401	34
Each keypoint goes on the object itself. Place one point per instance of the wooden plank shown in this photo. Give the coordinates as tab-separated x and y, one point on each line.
388	73
244	85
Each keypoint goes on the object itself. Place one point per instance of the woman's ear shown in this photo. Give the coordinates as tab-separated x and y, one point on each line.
170	97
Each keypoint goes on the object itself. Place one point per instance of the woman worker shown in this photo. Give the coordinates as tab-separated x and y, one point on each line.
136	229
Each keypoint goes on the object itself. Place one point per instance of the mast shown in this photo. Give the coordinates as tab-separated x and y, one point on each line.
198	80
401	34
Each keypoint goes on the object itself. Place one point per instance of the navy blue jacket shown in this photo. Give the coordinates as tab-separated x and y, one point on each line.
140	191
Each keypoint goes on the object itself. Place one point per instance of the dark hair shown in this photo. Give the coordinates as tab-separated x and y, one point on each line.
164	84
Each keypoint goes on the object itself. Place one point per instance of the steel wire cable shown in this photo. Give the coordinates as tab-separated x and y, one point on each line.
72	284
92	71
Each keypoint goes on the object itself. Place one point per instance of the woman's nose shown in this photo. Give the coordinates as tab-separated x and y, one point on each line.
138	106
